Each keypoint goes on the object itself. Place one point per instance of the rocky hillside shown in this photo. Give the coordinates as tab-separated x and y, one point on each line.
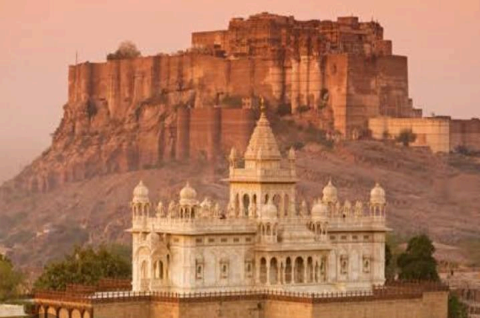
437	194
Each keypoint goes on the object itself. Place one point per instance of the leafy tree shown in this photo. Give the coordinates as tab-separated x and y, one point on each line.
126	50
86	266
456	309
10	279
417	262
406	137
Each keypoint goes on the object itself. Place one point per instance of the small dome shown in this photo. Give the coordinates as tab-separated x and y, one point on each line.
140	193
377	195
319	210
269	211
188	195
329	193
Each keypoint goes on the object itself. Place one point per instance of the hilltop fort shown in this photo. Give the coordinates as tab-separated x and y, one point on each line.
341	76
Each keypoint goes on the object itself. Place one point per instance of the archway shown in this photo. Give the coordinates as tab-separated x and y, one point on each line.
273	271
299	270
63	313
309	270
288	271
263	270
76	313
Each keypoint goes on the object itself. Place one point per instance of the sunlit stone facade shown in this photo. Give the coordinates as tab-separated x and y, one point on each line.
264	238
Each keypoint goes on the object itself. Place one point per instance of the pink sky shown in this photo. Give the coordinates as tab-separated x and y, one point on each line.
39	39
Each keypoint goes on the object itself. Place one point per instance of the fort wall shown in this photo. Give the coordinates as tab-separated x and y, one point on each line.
440	134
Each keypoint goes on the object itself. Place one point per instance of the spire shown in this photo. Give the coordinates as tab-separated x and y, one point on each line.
262	138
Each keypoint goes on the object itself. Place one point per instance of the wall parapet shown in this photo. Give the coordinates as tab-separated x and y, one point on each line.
391	291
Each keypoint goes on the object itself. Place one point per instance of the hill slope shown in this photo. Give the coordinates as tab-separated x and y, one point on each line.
430	193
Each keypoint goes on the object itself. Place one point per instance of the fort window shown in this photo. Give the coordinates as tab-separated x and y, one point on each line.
211	240
236	240
199	240
224	240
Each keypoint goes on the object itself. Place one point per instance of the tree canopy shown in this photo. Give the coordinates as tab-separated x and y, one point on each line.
126	50
86	266
456	309
417	262
10	279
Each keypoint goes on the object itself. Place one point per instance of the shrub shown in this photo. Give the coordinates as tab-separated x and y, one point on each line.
417	262
232	101
406	137
284	109
303	109
126	50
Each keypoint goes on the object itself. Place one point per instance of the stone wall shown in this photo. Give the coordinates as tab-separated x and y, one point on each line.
440	134
430	305
431	132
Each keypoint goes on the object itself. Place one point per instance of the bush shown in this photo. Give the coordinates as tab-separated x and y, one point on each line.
406	137
232	101
10	280
303	109
417	262
86	266
456	309
126	50
284	109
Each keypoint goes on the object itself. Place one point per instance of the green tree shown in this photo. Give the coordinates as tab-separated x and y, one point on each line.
417	262
86	266
406	137
456	309
10	279
126	50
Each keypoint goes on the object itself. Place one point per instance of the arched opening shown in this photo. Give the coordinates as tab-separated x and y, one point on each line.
268	229
299	270
266	199
144	270
160	270
52	312
246	204
317	272
76	313
288	271
309	270
263	270
273	271
63	313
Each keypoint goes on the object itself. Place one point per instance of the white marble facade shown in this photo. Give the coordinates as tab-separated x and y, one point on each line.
264	238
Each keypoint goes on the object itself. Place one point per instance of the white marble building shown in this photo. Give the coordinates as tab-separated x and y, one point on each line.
263	239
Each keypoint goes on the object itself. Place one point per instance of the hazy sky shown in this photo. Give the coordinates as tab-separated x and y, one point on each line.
39	38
